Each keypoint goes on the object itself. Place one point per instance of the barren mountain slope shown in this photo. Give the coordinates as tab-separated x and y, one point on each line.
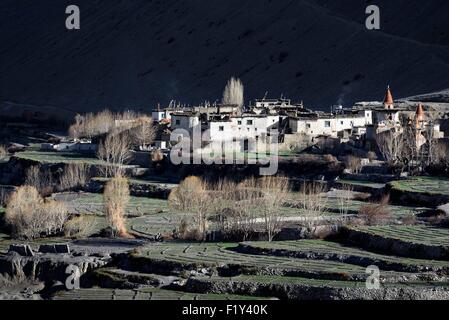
135	53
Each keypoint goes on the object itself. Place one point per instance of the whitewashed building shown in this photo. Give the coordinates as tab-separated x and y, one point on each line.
329	124
247	126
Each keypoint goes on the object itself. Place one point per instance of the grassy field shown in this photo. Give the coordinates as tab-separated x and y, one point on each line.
333	207
414	234
142	182
225	258
92	203
362	183
34	153
426	185
320	249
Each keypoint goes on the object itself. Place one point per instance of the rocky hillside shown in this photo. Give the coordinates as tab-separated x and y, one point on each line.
133	54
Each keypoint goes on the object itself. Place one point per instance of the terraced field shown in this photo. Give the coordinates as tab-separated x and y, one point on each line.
92	203
34	153
6	241
297	288
150	182
413	234
326	250
354	205
425	185
333	207
422	242
225	260
157	223
362	183
147	293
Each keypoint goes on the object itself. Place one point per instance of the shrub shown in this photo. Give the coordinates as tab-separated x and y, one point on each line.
353	163
116	198
409	220
31	217
184	232
329	158
372	156
374	213
79	227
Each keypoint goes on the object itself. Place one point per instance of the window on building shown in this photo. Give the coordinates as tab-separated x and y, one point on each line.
239	122
308	125
255	129
327	124
178	122
249	122
221	128
341	122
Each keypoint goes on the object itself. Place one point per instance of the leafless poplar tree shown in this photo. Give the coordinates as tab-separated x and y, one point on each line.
116	198
75	175
390	145
233	93
115	150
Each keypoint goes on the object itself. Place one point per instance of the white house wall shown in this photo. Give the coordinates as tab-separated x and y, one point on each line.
184	122
242	128
328	126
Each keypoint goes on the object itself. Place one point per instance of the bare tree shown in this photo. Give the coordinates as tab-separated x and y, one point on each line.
41	179
115	150
75	175
439	153
312	200
344	201
375	213
116	198
76	129
3	152
30	216
275	190
91	125
144	133
233	93
235	207
390	145
192	195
